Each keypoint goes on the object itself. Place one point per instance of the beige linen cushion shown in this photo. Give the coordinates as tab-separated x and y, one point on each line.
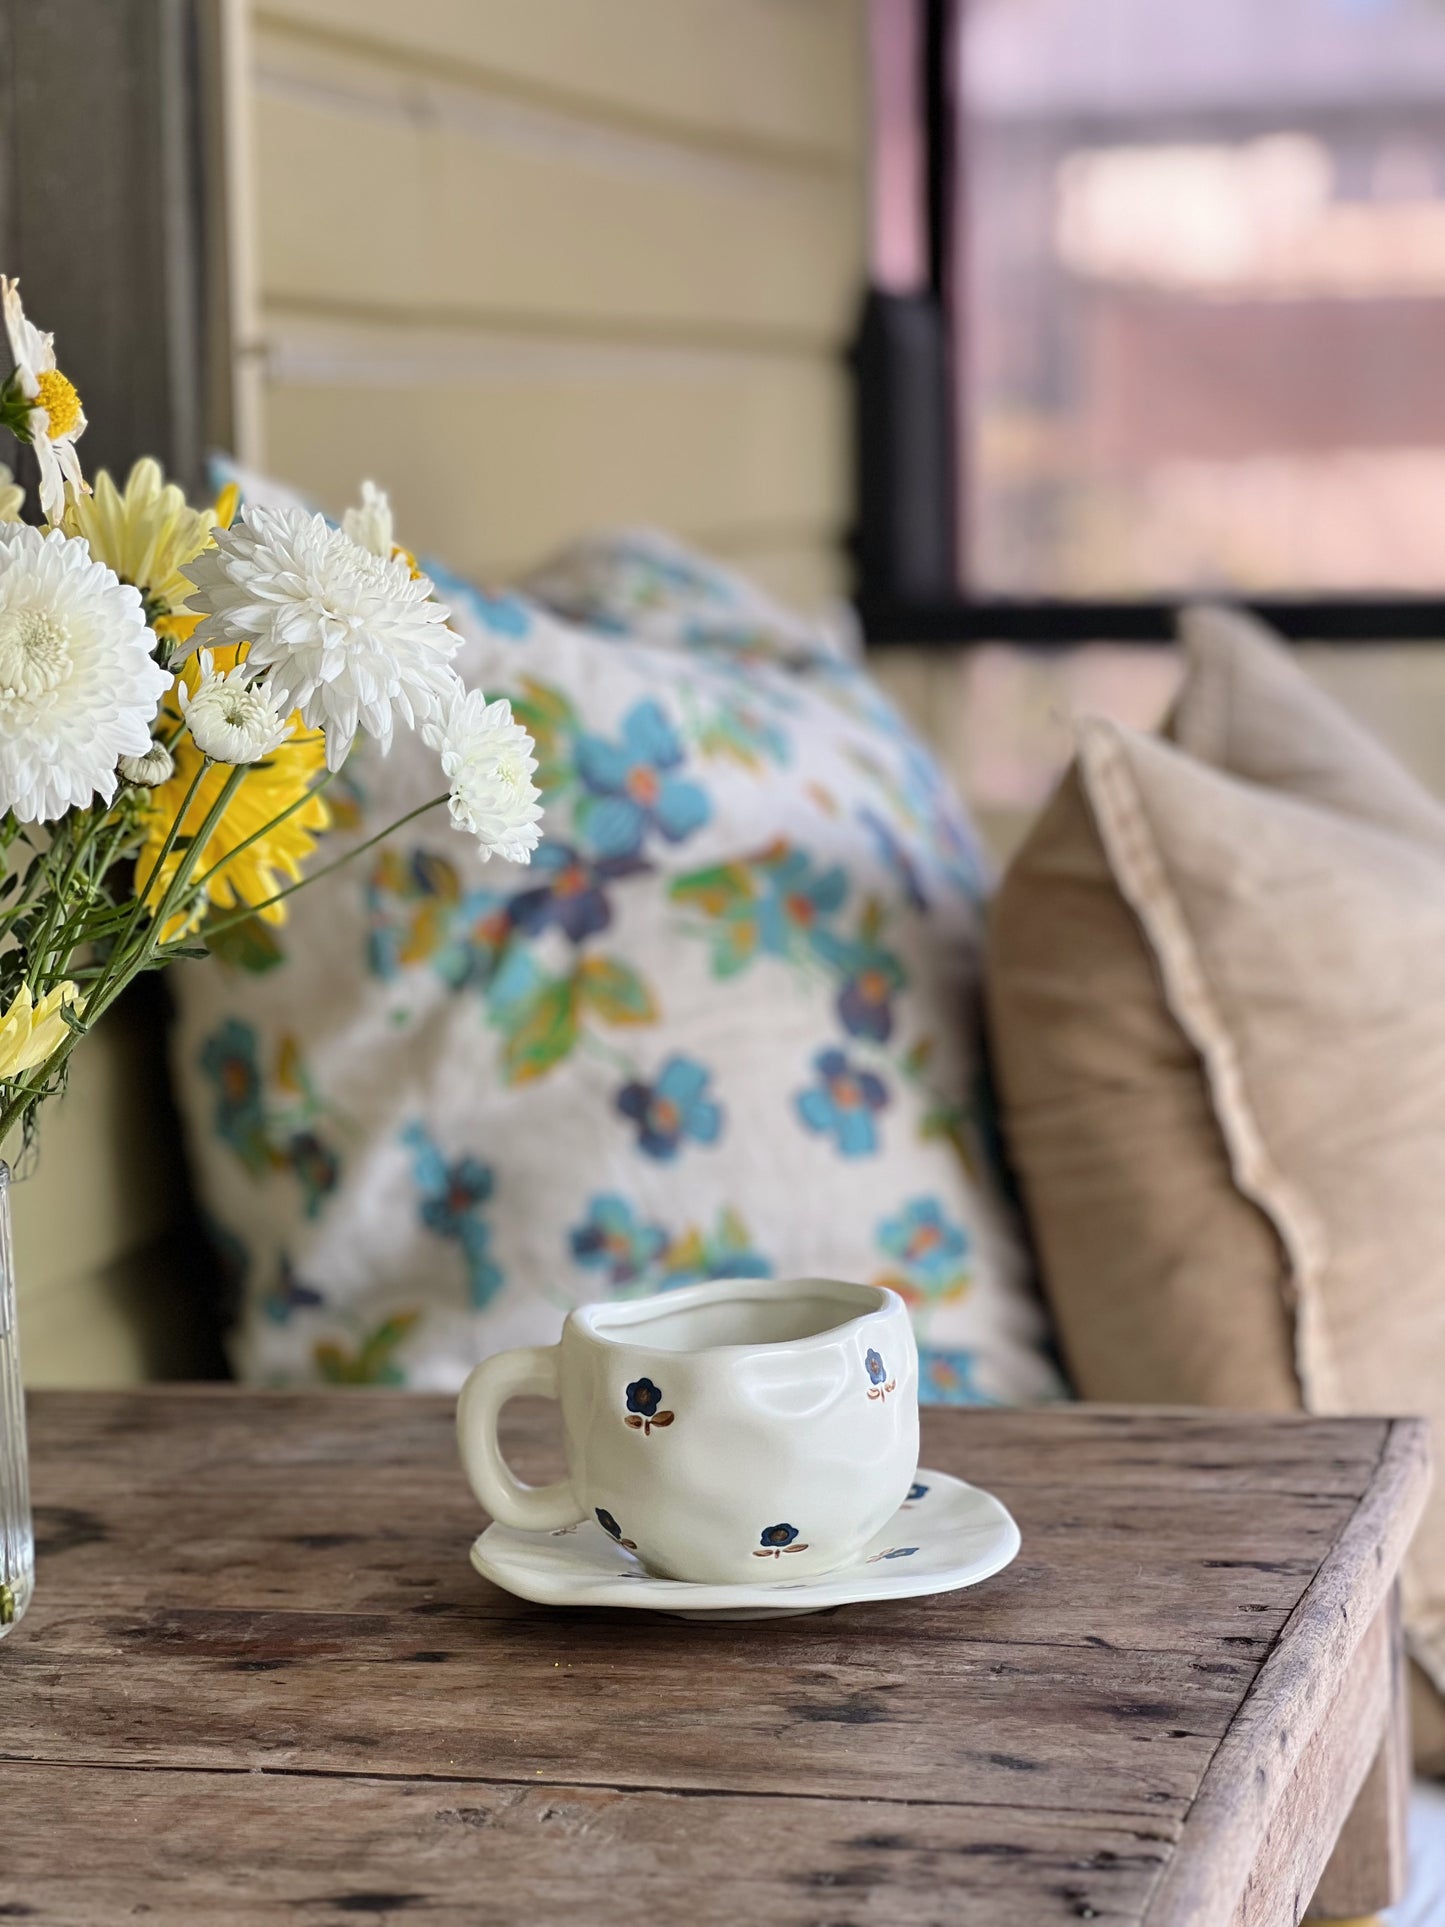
1219	1028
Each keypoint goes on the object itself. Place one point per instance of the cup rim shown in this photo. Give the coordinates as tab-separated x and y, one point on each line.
620	1315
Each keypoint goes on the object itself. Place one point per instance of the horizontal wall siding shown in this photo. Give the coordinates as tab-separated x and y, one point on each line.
544	268
780	74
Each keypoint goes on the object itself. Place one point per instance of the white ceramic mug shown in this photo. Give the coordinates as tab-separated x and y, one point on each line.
728	1432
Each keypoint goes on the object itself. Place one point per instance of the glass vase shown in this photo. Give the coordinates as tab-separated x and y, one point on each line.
17	1537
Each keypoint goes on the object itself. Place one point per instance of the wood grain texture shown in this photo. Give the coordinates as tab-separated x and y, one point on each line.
1370	1864
257	1639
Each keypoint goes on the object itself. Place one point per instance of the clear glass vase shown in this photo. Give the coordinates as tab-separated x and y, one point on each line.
17	1537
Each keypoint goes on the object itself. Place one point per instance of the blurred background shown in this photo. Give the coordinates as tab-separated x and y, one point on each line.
998	326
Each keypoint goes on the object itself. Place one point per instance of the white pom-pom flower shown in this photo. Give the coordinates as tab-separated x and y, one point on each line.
488	763
79	686
371	526
349	639
231	717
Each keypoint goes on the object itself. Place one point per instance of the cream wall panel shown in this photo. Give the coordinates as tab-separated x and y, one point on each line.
785	73
394	195
515	448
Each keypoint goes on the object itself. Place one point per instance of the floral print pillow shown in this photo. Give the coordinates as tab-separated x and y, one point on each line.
724	1025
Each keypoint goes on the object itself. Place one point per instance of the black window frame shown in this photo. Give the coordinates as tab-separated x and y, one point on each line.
904	540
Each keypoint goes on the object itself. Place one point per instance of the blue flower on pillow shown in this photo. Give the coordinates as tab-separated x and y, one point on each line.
928	1246
672	1108
872	977
572	895
612	1238
843	1104
451	1199
633	786
798	900
948	1377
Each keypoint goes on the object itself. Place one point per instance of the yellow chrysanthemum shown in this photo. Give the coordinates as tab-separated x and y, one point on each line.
147	536
268	788
29	1032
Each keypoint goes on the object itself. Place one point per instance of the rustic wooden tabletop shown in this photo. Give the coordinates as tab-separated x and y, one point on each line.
260	1681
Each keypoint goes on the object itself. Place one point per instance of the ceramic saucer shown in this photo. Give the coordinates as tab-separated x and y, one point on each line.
944	1536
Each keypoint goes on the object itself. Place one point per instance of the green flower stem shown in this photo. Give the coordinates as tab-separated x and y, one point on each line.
153	945
137	909
249	910
266	828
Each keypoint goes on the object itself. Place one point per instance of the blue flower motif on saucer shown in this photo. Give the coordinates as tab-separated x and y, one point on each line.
916	1491
879	1383
643	1400
614	1531
674	1107
776	1540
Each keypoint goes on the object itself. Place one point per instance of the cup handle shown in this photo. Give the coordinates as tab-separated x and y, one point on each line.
506	1375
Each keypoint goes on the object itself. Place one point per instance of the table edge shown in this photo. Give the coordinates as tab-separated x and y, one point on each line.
1256	1759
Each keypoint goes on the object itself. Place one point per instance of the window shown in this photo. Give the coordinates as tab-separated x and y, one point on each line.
1198	297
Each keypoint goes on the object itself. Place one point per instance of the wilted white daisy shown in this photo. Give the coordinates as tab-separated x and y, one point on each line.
148	772
231	717
39	405
12	496
78	685
371	526
488	762
348	638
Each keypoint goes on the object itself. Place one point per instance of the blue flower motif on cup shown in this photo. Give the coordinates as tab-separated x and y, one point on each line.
893	1552
614	1531
879	1383
673	1107
776	1540
843	1104
633	786
643	1399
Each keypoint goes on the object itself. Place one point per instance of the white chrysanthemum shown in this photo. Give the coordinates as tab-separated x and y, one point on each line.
371	526
488	762
12	496
232	717
40	406
148	772
78	685
348	638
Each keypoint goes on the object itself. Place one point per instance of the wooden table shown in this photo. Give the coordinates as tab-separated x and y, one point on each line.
260	1682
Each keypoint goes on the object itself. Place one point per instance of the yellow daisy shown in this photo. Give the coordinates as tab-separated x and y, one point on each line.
147	535
275	858
29	1032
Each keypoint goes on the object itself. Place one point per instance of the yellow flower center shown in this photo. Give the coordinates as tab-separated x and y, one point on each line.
34	654
59	400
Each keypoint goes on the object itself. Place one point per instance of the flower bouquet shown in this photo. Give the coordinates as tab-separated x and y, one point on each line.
178	686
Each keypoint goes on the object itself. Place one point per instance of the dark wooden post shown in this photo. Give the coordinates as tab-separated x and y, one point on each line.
107	169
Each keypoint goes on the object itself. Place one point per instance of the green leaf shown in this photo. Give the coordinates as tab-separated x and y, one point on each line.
543	1034
614	991
248	946
716	890
543	710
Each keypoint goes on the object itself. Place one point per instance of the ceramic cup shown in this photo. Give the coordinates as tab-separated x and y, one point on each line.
729	1432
